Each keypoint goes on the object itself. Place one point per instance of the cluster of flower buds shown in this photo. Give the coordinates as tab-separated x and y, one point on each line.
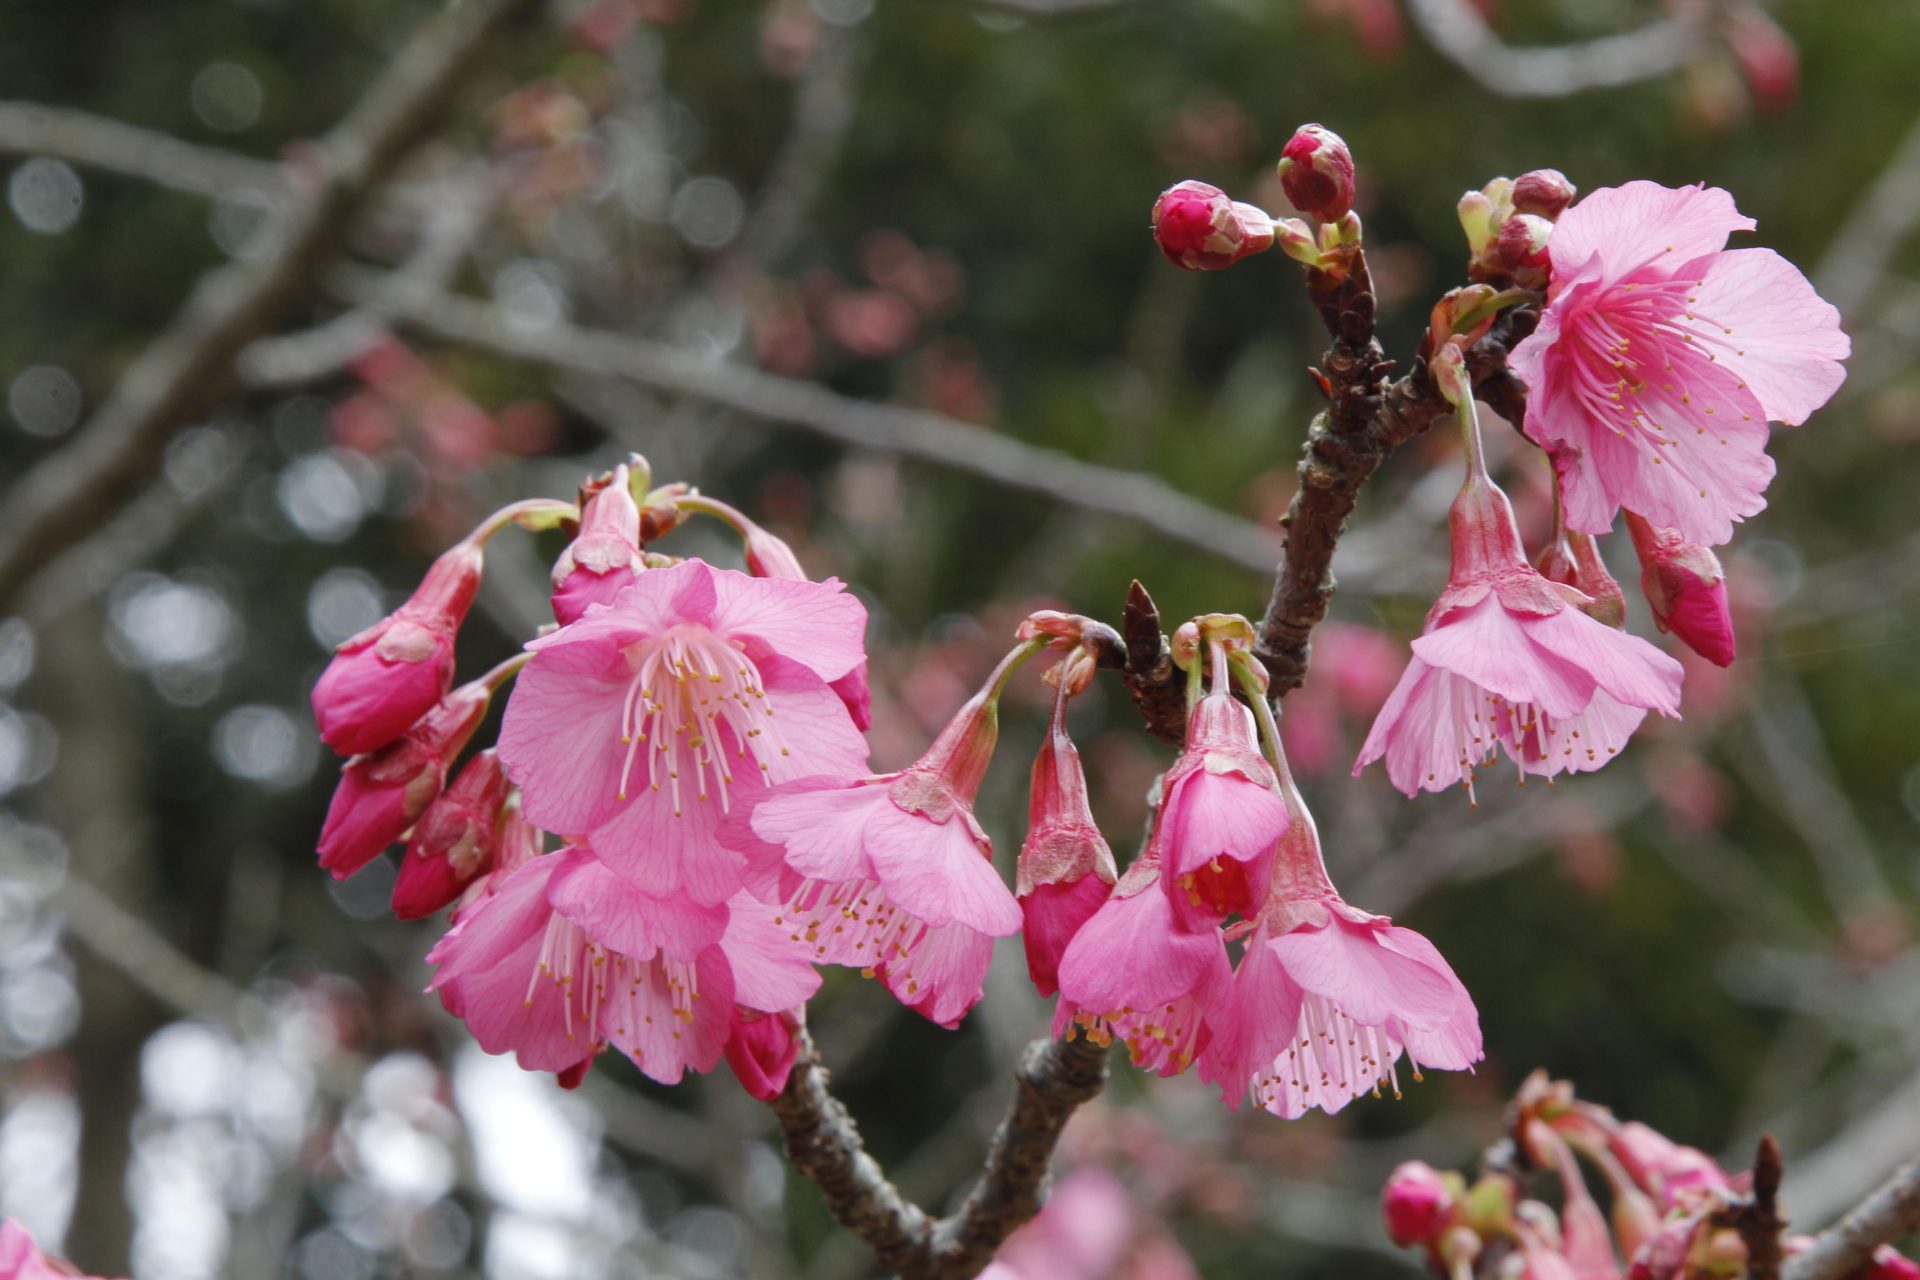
1201	228
1325	998
1508	223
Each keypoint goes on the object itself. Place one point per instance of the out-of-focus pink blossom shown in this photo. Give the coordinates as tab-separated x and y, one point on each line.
1416	1204
1768	60
21	1259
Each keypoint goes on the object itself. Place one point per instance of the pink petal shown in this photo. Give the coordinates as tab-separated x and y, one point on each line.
821	831
1051	915
1637	223
937	872
1489	646
1435	730
1210	815
816	624
770	970
1454	1044
649	1019
1266	1018
1624	665
1581	744
813	723
667	851
1375	985
1786	341
621	917
560	737
1130	955
942	978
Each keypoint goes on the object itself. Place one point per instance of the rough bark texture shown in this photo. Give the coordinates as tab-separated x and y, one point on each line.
1886	1215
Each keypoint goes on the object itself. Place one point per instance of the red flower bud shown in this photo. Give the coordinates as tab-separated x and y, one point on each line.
1416	1205
453	843
1521	250
1886	1264
1316	169
1066	869
761	1048
1686	588
1200	229
1545	192
1765	54
604	558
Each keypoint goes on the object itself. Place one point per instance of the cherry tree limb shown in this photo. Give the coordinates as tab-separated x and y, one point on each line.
95	142
1461	35
1886	1215
185	370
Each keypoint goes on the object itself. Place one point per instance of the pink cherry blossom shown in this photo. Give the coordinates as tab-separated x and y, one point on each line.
1221	814
1662	355
21	1259
1083	1232
642	724
1505	660
453	842
1327	997
385	678
1066	869
891	875
604	559
1134	973
566	957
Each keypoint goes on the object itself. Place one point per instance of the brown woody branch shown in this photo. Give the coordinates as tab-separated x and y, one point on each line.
184	371
1886	1215
1756	1218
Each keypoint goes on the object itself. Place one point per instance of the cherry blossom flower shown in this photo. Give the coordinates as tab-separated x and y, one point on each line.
1662	355
1066	869
893	874
566	957
642	724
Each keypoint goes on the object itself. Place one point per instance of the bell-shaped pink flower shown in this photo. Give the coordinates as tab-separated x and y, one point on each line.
566	958
643	723
382	794
385	678
1686	589
891	875
21	1259
1505	660
1662	355
1066	869
1134	973
453	841
1200	228
1221	814
604	558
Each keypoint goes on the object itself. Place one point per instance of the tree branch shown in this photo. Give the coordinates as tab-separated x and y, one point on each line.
1463	37
914	433
29	128
1886	1215
188	367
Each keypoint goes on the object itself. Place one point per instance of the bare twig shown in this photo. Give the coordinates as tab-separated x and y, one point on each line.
823	109
1886	1215
29	128
914	433
1463	37
189	366
1756	1218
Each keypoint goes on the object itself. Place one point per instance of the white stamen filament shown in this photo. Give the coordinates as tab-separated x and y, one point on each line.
689	685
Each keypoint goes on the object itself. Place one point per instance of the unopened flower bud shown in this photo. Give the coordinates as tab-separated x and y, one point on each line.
385	678
382	794
604	558
1066	869
1521	251
761	1048
1316	169
1545	192
1416	1205
1449	370
1686	588
516	842
454	841
1297	241
1477	220
1768	61
1574	561
1185	646
1889	1264
1200	228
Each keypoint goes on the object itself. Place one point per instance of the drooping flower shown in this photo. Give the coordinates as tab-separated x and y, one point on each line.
1662	355
893	874
1327	997
566	958
382	794
1134	973
1083	1232
1686	588
385	678
453	842
643	723
1066	869
604	559
1506	660
21	1259
1200	228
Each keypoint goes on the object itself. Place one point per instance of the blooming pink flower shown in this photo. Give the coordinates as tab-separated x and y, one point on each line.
1327	997
1066	869
453	842
567	957
1505	660
21	1259
644	722
380	795
1416	1205
892	875
1661	356
388	676
1133	973
1221	813
1316	169
604	558
1200	228
769	556
1686	588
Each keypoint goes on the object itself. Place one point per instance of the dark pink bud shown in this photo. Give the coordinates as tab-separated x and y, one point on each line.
1887	1264
382	794
1545	192
1416	1205
573	1075
1686	589
391	674
1200	229
760	1048
1317	171
1766	56
604	558
515	842
1520	250
453	842
1066	869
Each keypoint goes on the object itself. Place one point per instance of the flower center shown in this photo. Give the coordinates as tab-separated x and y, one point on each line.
1331	1059
609	994
688	685
851	923
1165	1039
